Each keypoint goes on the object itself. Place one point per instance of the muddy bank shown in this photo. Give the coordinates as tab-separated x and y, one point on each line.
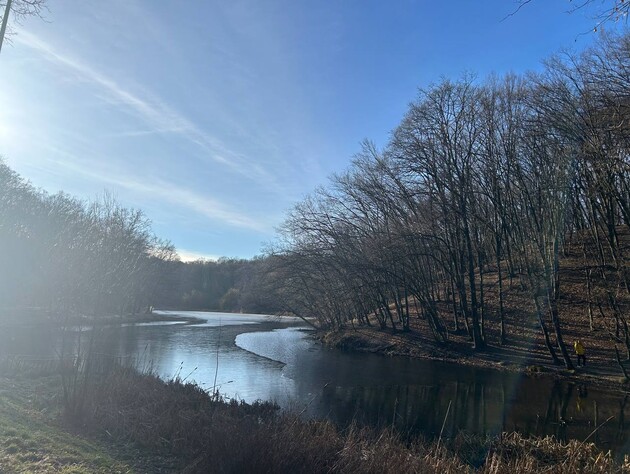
507	358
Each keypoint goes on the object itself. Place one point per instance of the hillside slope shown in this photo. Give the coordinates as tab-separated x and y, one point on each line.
524	348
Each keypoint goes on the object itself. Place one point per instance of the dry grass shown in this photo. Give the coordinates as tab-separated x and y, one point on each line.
206	434
138	423
32	441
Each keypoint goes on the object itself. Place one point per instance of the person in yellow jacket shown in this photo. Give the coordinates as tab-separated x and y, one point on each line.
580	351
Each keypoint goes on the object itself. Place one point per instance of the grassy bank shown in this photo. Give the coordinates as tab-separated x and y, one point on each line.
33	437
138	423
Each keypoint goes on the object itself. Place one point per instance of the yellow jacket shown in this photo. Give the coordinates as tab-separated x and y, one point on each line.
579	348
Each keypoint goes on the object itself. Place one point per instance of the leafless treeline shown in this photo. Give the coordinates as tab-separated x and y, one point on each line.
68	256
477	178
65	255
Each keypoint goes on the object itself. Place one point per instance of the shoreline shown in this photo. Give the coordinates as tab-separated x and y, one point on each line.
38	317
374	341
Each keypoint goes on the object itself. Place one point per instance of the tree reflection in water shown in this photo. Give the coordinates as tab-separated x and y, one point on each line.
562	409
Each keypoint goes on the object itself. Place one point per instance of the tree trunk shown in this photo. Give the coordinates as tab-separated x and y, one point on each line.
545	332
478	342
500	285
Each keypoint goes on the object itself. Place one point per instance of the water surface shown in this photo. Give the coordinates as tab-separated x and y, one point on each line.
253	357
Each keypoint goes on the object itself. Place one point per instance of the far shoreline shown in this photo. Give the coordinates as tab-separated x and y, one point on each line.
37	317
20	317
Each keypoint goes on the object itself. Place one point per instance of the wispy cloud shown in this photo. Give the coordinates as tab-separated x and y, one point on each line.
202	205
156	113
161	191
142	133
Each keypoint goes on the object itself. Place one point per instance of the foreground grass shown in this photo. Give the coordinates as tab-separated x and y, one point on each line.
32	441
207	434
138	423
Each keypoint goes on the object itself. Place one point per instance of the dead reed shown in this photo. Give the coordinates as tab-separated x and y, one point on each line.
209	434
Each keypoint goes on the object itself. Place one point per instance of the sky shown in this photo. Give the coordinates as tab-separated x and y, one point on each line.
216	117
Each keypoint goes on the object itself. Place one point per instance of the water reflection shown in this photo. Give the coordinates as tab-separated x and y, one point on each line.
491	404
255	357
414	396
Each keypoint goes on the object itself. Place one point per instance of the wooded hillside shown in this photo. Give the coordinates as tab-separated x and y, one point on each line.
486	186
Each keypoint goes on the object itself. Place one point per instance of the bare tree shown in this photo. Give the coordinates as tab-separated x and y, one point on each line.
606	12
20	9
503	174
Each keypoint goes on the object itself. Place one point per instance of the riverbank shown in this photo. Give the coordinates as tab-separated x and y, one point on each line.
602	368
20	317
34	436
522	357
138	423
583	312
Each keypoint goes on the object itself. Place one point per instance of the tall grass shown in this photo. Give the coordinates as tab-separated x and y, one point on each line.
208	434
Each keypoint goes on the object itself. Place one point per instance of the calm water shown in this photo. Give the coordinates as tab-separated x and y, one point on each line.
254	357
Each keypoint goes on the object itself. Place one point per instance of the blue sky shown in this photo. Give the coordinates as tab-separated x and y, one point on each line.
215	117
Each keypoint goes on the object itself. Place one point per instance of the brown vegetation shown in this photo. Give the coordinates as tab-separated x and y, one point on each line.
207	434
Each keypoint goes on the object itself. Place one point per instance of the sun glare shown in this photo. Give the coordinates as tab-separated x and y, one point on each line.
5	132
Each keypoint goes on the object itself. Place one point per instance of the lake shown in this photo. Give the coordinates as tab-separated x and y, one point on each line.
251	357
